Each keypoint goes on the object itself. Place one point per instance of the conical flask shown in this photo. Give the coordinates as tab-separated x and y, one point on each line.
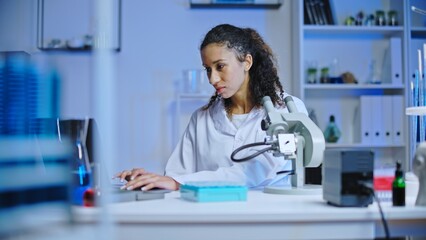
332	132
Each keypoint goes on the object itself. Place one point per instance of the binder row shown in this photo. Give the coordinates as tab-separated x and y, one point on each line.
379	120
393	62
318	12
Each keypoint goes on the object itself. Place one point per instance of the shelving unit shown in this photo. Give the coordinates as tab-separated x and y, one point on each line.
416	35
355	48
354	86
348	30
416	38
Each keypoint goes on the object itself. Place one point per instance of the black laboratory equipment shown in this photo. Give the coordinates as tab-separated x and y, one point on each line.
345	177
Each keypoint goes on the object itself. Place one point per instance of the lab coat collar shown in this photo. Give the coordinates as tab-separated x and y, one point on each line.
221	121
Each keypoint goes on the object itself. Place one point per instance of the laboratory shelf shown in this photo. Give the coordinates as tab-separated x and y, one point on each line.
418	29
353	86
361	145
352	90
348	30
420	110
418	32
72	50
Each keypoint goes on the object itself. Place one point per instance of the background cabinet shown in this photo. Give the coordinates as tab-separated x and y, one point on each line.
370	53
70	26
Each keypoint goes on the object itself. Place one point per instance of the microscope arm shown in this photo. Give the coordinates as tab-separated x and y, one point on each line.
314	144
300	125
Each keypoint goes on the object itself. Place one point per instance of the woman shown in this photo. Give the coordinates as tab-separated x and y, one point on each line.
241	67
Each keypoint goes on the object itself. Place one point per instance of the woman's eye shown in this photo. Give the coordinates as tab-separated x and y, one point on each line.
220	67
208	70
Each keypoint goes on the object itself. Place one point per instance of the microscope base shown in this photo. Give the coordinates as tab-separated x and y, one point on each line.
287	190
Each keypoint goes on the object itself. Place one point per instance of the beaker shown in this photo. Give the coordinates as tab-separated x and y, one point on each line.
203	81
195	81
191	81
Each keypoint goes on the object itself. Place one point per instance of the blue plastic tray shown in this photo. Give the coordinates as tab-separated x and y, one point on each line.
213	191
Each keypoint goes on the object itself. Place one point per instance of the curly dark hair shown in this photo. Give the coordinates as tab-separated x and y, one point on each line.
264	80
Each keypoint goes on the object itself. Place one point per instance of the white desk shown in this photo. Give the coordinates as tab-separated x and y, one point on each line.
263	216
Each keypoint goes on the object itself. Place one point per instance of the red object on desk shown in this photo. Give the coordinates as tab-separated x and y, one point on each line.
89	198
383	183
383	187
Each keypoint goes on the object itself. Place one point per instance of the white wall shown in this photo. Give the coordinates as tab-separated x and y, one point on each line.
159	40
16	28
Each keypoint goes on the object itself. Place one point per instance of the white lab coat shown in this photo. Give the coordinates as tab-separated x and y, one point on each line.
204	151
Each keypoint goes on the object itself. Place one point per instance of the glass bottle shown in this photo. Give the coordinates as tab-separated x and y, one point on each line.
373	73
380	18
312	75
398	187
332	132
392	18
325	75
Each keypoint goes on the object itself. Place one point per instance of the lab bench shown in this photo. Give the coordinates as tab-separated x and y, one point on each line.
263	216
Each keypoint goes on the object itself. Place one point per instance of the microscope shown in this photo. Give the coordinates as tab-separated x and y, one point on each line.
295	137
419	169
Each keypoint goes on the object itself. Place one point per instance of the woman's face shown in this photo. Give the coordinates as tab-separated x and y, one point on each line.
227	75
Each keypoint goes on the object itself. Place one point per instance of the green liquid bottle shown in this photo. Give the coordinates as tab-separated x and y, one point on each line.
332	132
398	187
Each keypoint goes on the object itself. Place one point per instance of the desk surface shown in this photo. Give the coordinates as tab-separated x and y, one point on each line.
262	216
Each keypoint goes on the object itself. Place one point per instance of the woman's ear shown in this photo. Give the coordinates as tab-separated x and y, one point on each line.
248	62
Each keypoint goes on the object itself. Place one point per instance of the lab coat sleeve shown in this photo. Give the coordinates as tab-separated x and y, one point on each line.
182	164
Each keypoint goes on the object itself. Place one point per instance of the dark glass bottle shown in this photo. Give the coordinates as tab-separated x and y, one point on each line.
332	132
398	187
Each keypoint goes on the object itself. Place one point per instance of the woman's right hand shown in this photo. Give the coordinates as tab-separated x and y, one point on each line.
138	178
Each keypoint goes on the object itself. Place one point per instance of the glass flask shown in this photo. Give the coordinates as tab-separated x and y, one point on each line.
81	172
332	132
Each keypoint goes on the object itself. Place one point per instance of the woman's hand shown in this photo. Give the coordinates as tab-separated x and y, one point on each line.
138	178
